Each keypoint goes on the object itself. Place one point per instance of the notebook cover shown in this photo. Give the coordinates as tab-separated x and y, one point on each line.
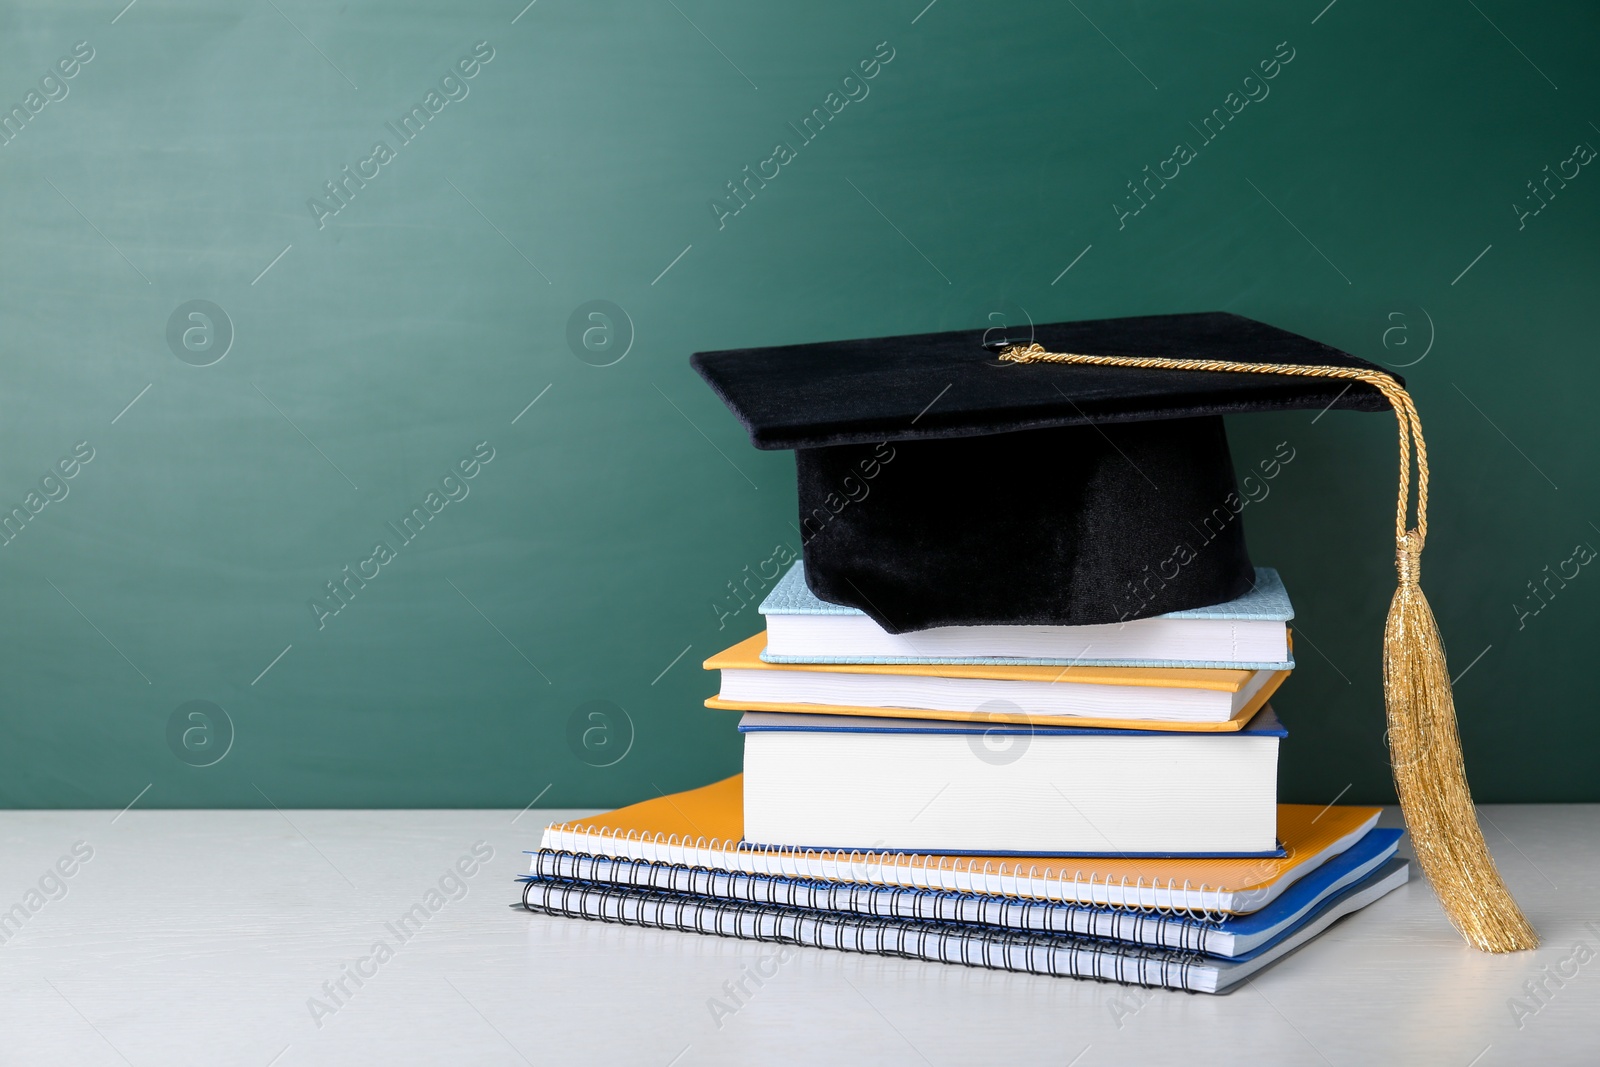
715	813
1377	848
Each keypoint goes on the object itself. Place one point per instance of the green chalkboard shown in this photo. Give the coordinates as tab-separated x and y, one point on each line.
350	455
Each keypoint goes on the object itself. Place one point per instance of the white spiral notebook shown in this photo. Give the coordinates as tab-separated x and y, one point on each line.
978	946
1226	936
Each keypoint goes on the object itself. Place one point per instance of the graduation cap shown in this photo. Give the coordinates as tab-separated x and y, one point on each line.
1081	475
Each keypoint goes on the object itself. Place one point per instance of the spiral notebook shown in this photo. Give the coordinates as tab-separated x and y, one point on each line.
704	828
979	946
1228	937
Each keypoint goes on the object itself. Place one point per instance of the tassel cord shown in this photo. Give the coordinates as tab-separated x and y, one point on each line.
1409	425
1424	743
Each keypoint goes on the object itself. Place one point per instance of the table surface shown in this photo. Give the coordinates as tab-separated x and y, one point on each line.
213	937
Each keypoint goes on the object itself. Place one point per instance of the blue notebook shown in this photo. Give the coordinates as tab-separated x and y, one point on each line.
1250	632
1061	955
1225	937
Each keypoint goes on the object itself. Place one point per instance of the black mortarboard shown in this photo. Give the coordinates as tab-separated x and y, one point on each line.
1042	479
940	486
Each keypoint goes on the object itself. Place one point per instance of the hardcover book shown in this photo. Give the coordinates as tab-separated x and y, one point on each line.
839	782
1181	698
1249	632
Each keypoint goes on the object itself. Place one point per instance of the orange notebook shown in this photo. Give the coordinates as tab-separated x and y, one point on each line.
1238	693
704	828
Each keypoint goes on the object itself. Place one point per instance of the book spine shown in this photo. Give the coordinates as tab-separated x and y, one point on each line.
1134	927
898	869
1063	957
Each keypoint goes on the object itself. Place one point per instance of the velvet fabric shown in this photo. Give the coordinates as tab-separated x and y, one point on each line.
941	487
1062	526
949	385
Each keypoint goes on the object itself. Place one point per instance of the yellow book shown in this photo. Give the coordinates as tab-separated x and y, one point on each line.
705	828
1133	698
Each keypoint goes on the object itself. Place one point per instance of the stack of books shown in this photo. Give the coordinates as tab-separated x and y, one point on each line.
1091	801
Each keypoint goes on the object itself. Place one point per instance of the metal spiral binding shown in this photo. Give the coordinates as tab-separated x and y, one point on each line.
877	901
910	870
944	942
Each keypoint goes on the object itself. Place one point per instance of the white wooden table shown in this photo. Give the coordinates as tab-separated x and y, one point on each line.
211	937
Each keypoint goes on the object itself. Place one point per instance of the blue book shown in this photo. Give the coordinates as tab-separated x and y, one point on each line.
1226	936
841	782
1250	632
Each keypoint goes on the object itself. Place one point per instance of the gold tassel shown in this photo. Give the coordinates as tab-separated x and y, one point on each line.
1424	746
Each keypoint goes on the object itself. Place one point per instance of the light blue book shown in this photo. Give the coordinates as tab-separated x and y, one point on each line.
1251	633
